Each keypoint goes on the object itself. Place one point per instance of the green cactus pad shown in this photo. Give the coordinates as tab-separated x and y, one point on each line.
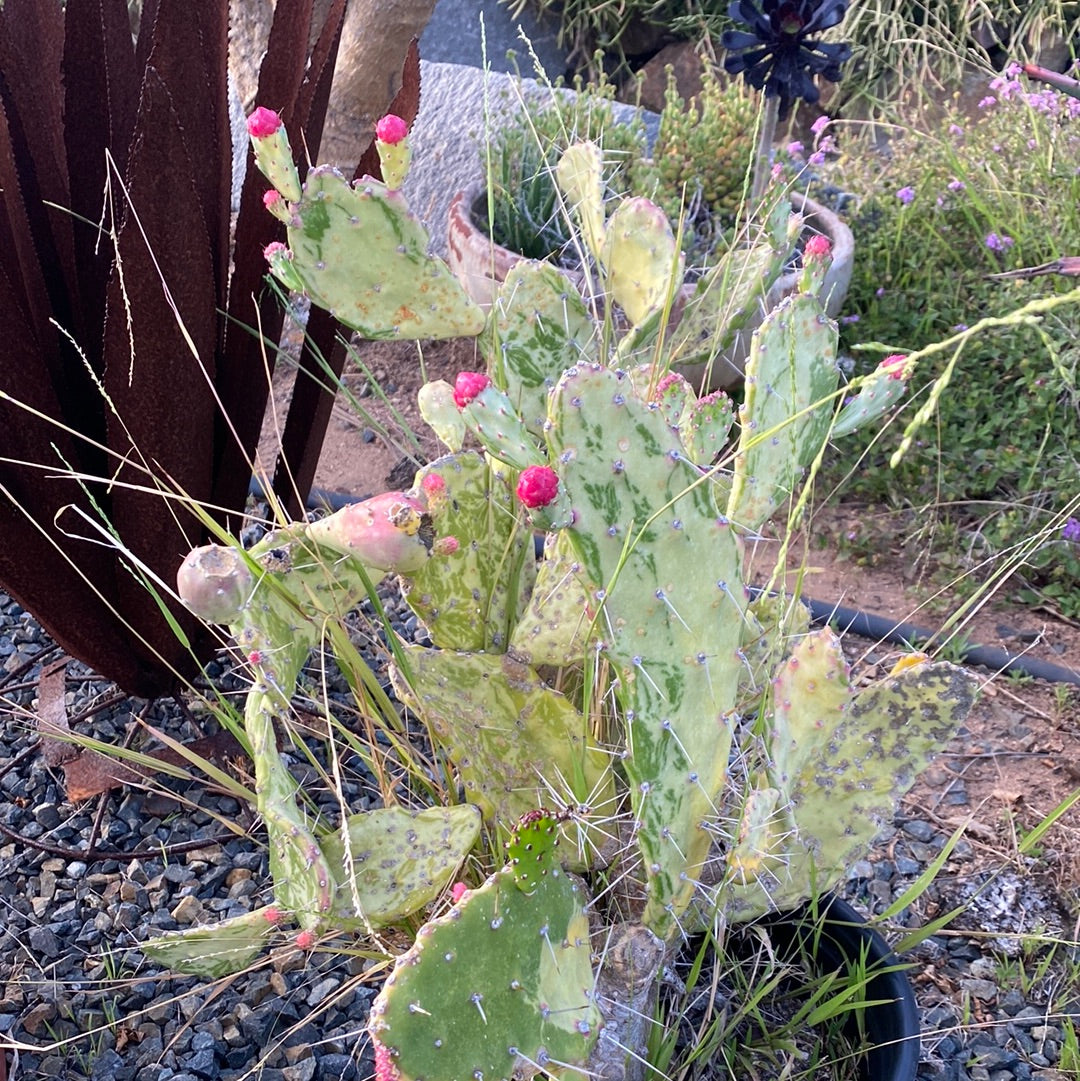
880	391
556	623
725	298
792	367
510	734
390	862
493	420
531	848
579	174
667	569
469	599
539	326
841	764
643	264
441	414
706	427
499	984
213	952
362	255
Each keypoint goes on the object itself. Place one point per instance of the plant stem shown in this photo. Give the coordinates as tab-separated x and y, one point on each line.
766	134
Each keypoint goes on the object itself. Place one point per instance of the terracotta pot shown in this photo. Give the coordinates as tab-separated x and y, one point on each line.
481	265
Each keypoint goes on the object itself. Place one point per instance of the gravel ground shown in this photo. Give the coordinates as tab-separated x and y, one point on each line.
79	1000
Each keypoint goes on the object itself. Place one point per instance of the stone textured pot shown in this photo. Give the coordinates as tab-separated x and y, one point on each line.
837	939
480	265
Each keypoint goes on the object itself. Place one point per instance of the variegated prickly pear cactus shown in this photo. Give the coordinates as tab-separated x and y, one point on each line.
621	675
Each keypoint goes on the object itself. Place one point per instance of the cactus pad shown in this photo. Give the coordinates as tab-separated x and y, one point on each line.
539	326
470	598
362	255
501	984
391	861
839	764
508	732
785	415
644	515
213	952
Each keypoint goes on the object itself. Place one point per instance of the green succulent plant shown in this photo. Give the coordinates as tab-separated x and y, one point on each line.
619	676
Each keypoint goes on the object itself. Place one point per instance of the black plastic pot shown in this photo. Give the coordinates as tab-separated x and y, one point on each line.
834	936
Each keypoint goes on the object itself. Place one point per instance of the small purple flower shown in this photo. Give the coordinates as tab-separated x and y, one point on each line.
960	327
795	149
849	318
906	195
879	291
778	171
1071	530
986	102
956	185
819	125
817	158
955	130
998	243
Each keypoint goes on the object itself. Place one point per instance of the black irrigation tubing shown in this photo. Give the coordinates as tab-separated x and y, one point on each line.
882	629
822	613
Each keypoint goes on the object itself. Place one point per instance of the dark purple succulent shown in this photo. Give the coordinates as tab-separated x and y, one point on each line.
776	54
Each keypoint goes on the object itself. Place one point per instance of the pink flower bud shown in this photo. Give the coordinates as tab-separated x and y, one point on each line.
263	122
456	891
255	657
467	386
433	484
276	248
537	486
273	915
271	197
305	940
817	247
385	1070
445	546
391	129
894	365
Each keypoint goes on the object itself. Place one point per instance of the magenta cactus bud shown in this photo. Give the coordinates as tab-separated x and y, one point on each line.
255	657
894	366
273	915
666	382
276	248
385	1070
817	247
305	940
467	386
445	546
271	197
391	129
456	891
433	484
263	122
538	486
